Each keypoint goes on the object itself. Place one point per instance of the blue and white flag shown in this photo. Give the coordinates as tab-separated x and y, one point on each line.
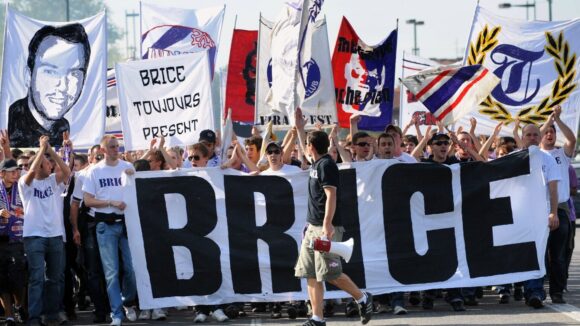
289	38
167	31
537	62
449	92
409	106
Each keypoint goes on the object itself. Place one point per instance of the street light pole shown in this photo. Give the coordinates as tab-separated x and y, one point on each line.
67	10
550	9
415	23
526	5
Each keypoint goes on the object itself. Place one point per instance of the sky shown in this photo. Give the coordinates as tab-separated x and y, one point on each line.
444	34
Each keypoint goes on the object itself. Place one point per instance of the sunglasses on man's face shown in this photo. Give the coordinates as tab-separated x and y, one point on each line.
363	144
273	151
441	142
24	165
194	158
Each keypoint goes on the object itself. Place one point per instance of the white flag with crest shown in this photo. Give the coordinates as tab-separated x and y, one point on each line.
537	63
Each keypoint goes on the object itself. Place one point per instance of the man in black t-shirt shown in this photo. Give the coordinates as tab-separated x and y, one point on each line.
316	266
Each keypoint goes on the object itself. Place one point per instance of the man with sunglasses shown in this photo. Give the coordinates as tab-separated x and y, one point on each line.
209	139
440	145
22	163
362	143
276	165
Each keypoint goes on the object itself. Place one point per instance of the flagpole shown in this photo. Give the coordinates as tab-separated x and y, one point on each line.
257	97
235	21
401	90
471	33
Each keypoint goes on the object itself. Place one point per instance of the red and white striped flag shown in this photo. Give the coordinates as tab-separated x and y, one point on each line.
449	92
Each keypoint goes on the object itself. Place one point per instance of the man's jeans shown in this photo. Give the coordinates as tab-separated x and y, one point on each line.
44	294
95	275
111	239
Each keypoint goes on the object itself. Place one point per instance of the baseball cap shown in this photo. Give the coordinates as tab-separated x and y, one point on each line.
273	144
207	135
8	165
438	136
395	128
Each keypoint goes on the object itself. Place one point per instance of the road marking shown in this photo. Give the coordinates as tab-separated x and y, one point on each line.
566	309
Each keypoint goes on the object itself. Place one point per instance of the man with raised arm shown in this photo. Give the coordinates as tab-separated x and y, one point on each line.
558	239
44	233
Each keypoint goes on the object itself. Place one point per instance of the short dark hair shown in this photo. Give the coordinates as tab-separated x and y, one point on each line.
202	148
16	152
411	138
73	33
385	135
359	135
141	165
254	140
81	158
319	140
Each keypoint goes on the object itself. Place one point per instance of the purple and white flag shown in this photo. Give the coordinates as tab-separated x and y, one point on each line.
449	92
167	31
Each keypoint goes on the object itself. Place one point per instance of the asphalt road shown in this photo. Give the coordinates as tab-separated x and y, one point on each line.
488	312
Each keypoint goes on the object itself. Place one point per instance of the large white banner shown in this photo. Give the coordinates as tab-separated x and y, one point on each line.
208	236
537	63
53	80
167	31
313	86
410	107
168	97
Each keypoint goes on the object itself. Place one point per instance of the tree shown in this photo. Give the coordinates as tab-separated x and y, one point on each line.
55	10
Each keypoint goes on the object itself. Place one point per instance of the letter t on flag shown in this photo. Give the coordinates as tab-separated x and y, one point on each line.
449	92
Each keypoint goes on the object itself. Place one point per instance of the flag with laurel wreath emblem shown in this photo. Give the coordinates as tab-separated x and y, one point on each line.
537	63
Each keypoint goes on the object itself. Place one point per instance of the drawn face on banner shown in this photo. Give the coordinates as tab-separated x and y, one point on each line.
57	77
363	80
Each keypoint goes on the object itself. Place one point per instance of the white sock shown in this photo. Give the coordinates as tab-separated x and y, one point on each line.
316	318
363	299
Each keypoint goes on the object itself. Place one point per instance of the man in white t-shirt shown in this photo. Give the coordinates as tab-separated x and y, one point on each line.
558	239
43	233
276	165
103	194
534	289
397	135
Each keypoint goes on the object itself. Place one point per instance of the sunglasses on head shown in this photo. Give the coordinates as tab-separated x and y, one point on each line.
363	144
273	151
441	142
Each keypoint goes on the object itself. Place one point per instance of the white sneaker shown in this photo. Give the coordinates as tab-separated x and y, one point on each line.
219	315
130	313
145	314
200	318
158	314
115	322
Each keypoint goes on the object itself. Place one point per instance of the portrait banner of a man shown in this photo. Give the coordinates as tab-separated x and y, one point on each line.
53	80
364	78
537	62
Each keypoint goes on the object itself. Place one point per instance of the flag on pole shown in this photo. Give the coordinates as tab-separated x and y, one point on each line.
537	62
167	31
241	81
290	68
450	92
409	106
364	78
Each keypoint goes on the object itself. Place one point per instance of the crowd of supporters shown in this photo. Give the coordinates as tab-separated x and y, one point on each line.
63	240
